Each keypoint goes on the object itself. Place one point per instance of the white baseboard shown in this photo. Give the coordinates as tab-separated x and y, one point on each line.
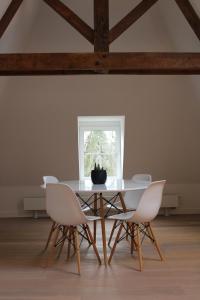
11	199
186	211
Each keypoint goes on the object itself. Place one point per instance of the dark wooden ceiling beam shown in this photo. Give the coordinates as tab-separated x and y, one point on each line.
190	14
97	63
74	20
130	19
101	25
9	15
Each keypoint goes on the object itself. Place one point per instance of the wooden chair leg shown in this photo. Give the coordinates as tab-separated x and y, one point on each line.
133	243
115	243
95	230
87	235
112	232
132	237
53	227
127	227
93	244
103	230
74	241
139	249
155	241
77	245
95	222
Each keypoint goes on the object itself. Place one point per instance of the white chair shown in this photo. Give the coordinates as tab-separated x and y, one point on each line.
49	179
64	208
53	179
136	222
132	198
46	180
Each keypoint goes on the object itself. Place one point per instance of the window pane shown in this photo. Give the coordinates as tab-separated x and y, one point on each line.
101	141
100	147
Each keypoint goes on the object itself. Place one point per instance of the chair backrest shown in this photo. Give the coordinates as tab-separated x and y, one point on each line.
142	178
132	198
49	179
150	202
62	205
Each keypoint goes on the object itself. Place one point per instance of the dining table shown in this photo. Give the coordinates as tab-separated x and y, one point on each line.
101	199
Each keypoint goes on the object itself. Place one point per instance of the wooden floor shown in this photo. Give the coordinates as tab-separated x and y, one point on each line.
23	278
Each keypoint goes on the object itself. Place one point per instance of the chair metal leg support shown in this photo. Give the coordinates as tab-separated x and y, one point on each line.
132	238
95	222
69	243
127	227
86	236
65	231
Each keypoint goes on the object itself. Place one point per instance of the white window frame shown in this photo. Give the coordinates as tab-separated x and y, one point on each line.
102	123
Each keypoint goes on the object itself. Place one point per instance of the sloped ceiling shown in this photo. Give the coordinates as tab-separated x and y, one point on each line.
35	111
33	18
15	37
196	5
37	28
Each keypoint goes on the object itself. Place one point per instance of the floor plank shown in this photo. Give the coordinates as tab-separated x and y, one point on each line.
22	277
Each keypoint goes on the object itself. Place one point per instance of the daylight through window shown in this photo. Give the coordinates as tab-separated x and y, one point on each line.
101	141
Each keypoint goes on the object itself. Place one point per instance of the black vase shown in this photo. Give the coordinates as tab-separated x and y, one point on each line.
98	176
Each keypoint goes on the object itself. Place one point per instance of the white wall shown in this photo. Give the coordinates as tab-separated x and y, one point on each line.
38	115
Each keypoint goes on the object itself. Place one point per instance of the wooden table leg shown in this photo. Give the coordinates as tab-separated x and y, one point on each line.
124	209
103	228
95	222
122	201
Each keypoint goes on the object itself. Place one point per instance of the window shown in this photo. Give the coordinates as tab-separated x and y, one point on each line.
101	141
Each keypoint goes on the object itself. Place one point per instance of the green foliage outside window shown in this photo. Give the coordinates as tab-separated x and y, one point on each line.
100	148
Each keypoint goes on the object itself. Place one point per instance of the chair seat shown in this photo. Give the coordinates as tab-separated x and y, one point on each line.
93	218
85	209
123	216
119	206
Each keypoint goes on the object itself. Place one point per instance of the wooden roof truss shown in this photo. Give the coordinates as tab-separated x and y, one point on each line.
101	61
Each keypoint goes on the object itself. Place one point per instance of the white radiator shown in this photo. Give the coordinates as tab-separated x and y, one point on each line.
37	204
